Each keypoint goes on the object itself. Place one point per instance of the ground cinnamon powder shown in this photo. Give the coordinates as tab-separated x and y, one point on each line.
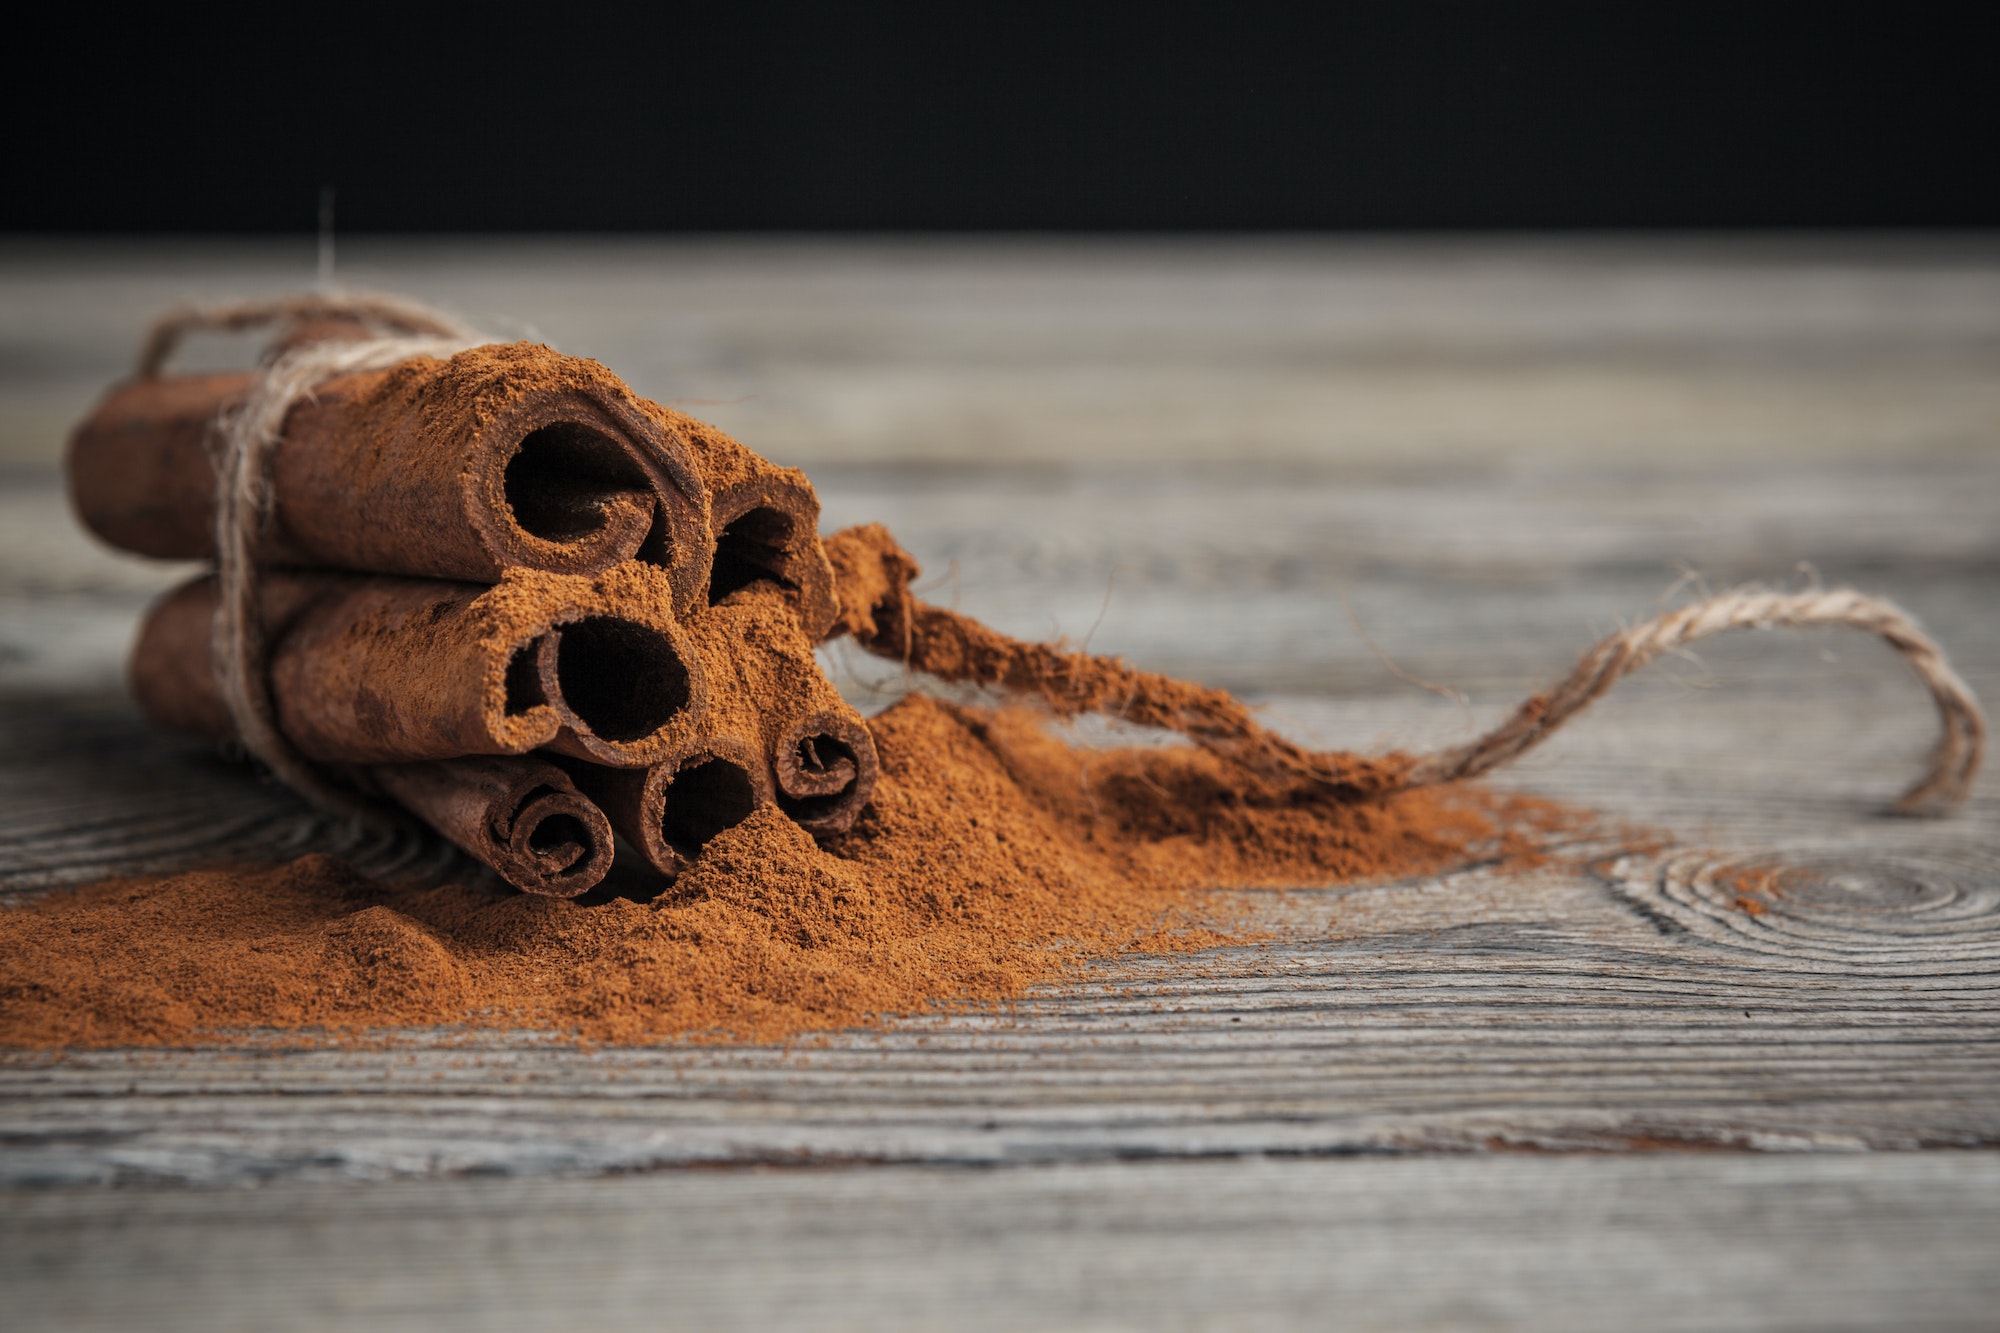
994	856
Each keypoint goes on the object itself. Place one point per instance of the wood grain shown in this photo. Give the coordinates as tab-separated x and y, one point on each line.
1620	1000
1667	1241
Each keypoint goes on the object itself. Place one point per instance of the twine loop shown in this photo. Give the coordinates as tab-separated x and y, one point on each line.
244	437
1954	760
395	316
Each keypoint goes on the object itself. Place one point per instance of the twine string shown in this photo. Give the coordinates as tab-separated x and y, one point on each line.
1954	761
956	647
396	316
244	438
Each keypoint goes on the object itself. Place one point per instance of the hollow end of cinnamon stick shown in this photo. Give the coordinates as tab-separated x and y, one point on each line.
618	687
826	769
572	486
763	520
767	534
576	480
707	795
371	670
521	816
671	811
604	660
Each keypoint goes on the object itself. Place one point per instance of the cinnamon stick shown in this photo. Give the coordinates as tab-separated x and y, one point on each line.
521	815
826	768
502	456
765	522
670	811
370	670
764	681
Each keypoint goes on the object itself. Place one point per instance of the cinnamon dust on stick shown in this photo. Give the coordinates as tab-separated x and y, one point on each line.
993	856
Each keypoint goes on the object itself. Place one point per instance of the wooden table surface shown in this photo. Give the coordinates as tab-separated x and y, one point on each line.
1598	1092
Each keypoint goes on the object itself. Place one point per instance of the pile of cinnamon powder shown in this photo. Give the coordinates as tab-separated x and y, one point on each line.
993	857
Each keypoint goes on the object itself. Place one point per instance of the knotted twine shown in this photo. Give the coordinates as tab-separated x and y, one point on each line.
242	443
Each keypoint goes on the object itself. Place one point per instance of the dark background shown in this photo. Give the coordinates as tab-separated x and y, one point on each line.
824	116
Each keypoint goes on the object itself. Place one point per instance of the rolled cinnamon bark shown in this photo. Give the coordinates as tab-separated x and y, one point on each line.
765	521
369	670
670	811
826	768
820	755
521	815
502	456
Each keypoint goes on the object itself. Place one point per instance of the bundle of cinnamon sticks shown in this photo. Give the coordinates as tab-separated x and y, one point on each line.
503	592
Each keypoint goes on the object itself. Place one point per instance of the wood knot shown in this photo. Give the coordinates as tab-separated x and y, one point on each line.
1862	912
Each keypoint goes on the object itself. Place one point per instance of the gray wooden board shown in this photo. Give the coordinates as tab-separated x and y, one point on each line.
1680	354
1664	1241
1617	1000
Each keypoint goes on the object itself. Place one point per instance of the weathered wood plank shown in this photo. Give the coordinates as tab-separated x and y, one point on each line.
1683	353
1617	1005
1592	1005
1491	452
1670	1241
1624	1005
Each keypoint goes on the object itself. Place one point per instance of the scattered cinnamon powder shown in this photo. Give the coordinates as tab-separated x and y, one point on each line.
993	857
